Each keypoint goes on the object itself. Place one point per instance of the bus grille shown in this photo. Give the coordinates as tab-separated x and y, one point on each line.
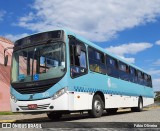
32	90
39	107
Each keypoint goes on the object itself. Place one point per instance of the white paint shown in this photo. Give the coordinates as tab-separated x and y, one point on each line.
117	101
80	101
148	101
72	101
61	103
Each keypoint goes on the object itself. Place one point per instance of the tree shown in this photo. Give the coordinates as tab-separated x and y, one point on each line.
157	96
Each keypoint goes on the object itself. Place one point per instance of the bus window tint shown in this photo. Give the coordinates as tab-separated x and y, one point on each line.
123	71
112	65
140	77
71	55
96	61
133	77
122	67
149	81
78	62
145	79
82	59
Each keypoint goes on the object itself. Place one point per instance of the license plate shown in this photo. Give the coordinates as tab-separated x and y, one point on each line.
32	106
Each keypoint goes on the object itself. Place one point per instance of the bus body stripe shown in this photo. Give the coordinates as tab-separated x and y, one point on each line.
93	90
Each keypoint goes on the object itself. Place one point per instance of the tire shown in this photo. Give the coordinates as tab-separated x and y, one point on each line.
54	116
97	107
140	106
112	110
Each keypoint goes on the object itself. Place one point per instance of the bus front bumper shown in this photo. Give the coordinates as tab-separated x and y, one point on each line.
44	105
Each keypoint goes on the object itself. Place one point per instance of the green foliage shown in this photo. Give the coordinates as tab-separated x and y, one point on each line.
6	113
157	96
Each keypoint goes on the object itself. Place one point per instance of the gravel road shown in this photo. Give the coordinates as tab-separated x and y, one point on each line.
78	120
147	115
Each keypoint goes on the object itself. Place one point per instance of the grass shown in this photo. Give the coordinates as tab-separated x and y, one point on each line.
151	107
7	113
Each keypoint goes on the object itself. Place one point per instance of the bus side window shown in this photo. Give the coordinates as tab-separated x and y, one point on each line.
112	67
96	61
149	80
145	80
77	60
133	77
123	71
140	77
78	63
71	54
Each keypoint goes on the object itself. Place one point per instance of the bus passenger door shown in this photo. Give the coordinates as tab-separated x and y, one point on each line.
78	73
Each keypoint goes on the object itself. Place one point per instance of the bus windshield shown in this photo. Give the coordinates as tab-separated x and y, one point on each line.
38	63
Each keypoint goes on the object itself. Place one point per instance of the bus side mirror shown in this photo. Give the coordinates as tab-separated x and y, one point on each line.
6	60
78	50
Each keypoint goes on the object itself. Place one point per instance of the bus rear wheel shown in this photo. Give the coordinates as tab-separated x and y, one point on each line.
140	106
97	107
54	115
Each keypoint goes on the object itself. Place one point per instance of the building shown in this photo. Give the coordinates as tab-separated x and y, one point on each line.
5	75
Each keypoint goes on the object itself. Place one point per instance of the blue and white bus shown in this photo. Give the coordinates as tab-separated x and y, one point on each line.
59	72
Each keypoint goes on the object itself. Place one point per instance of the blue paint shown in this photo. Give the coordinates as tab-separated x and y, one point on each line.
36	77
91	82
21	77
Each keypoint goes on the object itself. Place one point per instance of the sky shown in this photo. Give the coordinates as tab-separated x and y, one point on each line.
127	28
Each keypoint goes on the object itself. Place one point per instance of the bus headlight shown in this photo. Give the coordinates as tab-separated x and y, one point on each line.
13	98
59	93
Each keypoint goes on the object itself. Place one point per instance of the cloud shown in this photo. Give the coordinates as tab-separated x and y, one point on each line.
15	37
156	84
156	63
131	48
2	13
100	20
130	60
155	78
157	42
154	72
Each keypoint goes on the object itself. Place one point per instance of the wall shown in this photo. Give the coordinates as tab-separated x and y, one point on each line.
5	75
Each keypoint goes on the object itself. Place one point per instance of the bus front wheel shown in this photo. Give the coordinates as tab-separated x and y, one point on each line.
97	107
54	116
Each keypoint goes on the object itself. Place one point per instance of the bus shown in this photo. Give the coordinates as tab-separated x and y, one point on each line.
59	72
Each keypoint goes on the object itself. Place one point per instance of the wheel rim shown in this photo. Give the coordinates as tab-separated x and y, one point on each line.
140	105
97	106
